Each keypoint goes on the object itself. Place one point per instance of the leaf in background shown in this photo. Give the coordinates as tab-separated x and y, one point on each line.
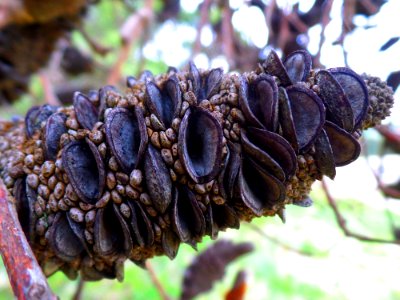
209	266
239	287
389	43
394	80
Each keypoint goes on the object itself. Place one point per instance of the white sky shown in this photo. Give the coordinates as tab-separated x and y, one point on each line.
362	45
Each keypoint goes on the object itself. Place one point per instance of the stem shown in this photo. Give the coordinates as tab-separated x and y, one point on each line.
48	89
227	35
204	18
343	225
93	44
324	22
156	282
268	12
131	31
25	275
278	242
79	290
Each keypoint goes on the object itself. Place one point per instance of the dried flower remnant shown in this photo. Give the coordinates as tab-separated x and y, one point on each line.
209	267
178	156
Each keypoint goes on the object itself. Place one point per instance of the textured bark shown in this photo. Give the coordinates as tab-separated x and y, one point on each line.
26	277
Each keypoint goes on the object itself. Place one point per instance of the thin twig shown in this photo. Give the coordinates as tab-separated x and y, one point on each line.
349	7
268	12
227	34
204	18
392	137
295	21
284	33
79	289
324	22
280	243
48	90
156	282
94	45
343	225
24	273
386	190
371	7
131	31
378	175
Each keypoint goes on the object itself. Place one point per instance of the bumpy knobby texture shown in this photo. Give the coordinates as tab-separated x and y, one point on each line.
179	156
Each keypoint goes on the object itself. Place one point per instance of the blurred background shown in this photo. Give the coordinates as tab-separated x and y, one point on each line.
345	246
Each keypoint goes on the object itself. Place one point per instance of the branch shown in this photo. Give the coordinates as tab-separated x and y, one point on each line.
227	34
388	191
324	22
370	6
25	275
268	13
278	242
48	89
133	28
79	290
343	224
157	283
204	18
93	44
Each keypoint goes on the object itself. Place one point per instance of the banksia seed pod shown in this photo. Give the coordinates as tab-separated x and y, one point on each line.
178	156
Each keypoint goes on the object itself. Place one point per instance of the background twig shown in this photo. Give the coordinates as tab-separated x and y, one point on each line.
342	222
278	242
131	31
156	282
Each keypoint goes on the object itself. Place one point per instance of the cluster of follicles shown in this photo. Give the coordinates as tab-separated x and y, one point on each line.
179	156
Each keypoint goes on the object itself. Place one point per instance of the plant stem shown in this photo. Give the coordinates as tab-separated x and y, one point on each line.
25	275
